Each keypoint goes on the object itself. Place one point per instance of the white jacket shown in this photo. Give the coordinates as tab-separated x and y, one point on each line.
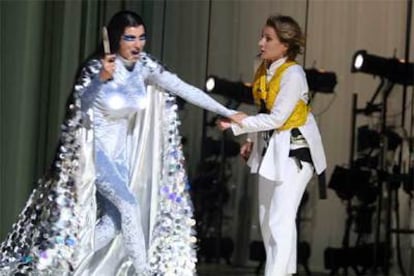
293	87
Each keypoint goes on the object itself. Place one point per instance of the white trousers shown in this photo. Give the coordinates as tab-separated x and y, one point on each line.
278	205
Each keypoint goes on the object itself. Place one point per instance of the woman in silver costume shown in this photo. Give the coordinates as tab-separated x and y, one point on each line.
111	138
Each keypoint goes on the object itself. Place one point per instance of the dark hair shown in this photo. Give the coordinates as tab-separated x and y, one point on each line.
117	25
289	32
116	28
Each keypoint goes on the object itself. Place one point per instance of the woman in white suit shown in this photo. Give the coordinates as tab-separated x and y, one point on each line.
284	145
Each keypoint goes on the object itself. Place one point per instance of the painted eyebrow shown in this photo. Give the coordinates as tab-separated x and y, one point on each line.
128	37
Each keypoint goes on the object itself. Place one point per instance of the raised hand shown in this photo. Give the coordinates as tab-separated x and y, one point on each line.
108	67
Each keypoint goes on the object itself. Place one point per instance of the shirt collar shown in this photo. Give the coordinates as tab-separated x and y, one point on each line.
272	68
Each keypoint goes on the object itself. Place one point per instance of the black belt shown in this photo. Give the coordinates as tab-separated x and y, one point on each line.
301	155
266	138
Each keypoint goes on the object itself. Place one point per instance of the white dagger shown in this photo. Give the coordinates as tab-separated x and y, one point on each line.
105	39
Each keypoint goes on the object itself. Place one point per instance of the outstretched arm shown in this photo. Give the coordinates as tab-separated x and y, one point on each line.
172	83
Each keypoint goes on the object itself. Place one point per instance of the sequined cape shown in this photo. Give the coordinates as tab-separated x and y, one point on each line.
54	232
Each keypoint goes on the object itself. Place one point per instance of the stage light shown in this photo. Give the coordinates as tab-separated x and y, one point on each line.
210	84
359	60
320	80
348	182
367	139
370	64
393	69
235	90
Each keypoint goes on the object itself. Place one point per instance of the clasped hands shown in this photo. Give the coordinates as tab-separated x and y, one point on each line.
225	123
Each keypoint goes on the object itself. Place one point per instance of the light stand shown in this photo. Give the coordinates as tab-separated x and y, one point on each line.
391	71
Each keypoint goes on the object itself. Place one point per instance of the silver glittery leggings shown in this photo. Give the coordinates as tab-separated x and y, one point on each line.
120	212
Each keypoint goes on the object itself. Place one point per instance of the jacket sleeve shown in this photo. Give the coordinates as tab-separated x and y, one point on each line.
292	87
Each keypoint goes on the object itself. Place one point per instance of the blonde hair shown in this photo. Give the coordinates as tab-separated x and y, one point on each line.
289	32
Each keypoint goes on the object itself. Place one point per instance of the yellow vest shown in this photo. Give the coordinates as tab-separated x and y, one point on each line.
268	91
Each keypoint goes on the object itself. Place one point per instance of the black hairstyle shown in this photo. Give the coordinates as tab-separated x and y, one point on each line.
116	28
117	25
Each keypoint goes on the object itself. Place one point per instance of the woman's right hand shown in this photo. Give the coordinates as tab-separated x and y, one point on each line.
238	118
246	149
108	67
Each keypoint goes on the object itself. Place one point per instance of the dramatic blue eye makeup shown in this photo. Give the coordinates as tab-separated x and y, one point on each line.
129	37
133	37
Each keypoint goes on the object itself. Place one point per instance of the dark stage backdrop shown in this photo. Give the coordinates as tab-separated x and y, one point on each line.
42	43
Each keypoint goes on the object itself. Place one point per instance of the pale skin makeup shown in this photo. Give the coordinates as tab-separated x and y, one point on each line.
131	44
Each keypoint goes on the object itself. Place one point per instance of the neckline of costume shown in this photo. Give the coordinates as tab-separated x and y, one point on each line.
129	65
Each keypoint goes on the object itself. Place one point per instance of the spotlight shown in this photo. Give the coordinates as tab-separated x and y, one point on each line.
210	84
370	139
350	182
395	70
320	80
235	90
367	139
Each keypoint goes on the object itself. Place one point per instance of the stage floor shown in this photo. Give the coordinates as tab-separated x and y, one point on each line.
214	269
